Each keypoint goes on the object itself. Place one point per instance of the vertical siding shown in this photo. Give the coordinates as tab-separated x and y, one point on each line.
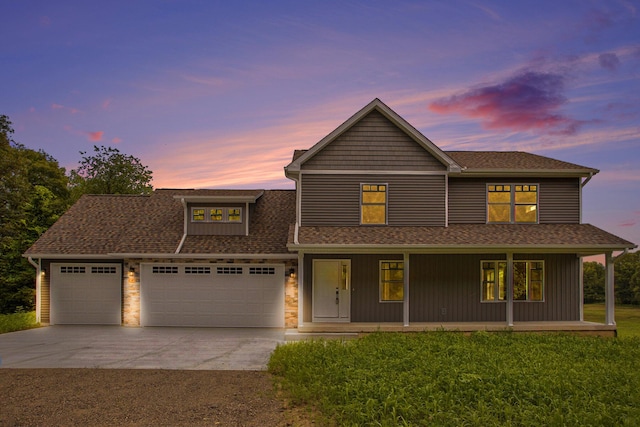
374	143
558	199
334	200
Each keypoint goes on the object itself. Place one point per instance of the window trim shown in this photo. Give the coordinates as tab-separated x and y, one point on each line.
497	288
225	215
385	204
381	281
512	202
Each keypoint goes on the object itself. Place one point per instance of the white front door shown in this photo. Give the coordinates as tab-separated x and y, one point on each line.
331	290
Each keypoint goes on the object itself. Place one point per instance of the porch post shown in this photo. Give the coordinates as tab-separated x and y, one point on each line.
609	294
509	284
405	304
300	289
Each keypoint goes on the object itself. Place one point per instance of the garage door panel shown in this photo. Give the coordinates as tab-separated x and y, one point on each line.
212	295
85	293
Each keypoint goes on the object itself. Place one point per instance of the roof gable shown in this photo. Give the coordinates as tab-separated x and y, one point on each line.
375	107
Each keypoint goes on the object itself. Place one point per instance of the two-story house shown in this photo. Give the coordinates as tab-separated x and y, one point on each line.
384	230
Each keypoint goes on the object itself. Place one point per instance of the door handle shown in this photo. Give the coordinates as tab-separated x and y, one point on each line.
337	296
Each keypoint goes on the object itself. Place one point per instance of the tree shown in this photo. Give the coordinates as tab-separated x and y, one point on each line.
33	195
593	280
108	171
627	272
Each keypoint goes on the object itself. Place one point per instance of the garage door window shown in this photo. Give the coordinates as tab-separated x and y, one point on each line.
229	270
72	270
165	270
262	270
197	270
103	270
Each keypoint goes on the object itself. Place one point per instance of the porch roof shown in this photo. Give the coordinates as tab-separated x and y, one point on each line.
579	238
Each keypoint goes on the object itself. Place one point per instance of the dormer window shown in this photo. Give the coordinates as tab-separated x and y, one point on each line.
216	214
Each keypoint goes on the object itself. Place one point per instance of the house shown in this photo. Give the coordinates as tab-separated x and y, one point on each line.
384	230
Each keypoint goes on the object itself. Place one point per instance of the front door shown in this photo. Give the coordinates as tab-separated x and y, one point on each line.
331	290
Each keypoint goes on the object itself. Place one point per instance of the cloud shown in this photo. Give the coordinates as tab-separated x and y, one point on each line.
55	106
95	136
525	102
610	61
106	104
116	140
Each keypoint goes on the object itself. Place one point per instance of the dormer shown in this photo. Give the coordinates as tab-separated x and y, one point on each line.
219	212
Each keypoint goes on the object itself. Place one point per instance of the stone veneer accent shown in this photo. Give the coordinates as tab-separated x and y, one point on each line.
131	287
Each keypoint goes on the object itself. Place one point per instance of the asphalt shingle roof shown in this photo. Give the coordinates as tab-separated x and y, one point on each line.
510	160
108	224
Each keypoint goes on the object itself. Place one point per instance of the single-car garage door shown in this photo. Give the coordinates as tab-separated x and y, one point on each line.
85	294
212	295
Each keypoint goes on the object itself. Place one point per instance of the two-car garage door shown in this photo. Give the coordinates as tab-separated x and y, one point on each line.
214	295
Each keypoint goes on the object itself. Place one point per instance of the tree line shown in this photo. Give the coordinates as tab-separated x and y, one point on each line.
627	280
35	191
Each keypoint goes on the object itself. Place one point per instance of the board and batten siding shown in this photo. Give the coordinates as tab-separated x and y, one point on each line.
558	199
446	288
374	143
334	200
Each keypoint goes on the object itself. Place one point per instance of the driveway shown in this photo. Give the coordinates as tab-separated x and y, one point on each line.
117	347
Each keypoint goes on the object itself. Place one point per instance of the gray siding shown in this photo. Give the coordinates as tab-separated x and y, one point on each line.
374	143
450	284
216	229
334	200
558	199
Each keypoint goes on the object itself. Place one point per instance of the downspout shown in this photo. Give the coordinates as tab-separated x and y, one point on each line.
38	267
582	184
609	291
184	234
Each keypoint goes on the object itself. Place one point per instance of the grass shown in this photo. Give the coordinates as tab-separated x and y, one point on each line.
450	379
17	322
627	318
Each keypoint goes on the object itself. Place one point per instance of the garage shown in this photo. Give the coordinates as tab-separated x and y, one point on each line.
212	295
85	293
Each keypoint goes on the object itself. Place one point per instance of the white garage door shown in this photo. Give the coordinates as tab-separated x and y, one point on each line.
212	295
85	294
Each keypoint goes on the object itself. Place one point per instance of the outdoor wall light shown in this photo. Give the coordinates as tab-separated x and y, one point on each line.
292	272
132	269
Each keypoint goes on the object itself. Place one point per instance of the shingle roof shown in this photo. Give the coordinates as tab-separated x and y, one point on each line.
511	160
109	224
533	236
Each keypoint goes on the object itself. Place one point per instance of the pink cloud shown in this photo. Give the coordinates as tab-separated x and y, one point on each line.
95	136
57	106
106	104
527	101
116	140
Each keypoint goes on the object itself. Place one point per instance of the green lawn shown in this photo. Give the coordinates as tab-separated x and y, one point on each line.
451	379
627	318
17	322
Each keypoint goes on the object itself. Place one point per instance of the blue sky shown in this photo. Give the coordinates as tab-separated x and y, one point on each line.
218	94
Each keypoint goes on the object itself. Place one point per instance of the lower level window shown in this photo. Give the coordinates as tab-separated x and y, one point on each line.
391	281
528	280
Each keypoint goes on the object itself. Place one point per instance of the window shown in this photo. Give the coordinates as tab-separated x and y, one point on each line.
373	204
494	274
103	270
512	203
216	214
164	269
72	270
197	270
262	270
229	270
391	281
528	280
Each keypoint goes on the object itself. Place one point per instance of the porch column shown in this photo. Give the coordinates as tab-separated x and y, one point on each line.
609	294
300	289
405	304
509	284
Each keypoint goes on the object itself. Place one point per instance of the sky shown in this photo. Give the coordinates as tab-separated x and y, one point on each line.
218	94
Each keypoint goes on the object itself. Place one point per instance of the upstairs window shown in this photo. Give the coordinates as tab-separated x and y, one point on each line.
373	207
508	203
216	214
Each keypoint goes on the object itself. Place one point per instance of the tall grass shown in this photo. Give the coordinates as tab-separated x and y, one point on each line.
449	379
17	322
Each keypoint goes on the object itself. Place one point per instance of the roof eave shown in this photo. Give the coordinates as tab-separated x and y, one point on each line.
220	199
525	173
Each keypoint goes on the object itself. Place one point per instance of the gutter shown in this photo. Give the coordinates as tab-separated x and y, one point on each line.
184	234
583	183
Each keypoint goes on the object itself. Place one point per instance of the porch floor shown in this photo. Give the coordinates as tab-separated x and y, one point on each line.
580	327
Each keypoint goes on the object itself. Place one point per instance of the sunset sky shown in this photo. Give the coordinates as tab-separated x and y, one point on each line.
218	94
